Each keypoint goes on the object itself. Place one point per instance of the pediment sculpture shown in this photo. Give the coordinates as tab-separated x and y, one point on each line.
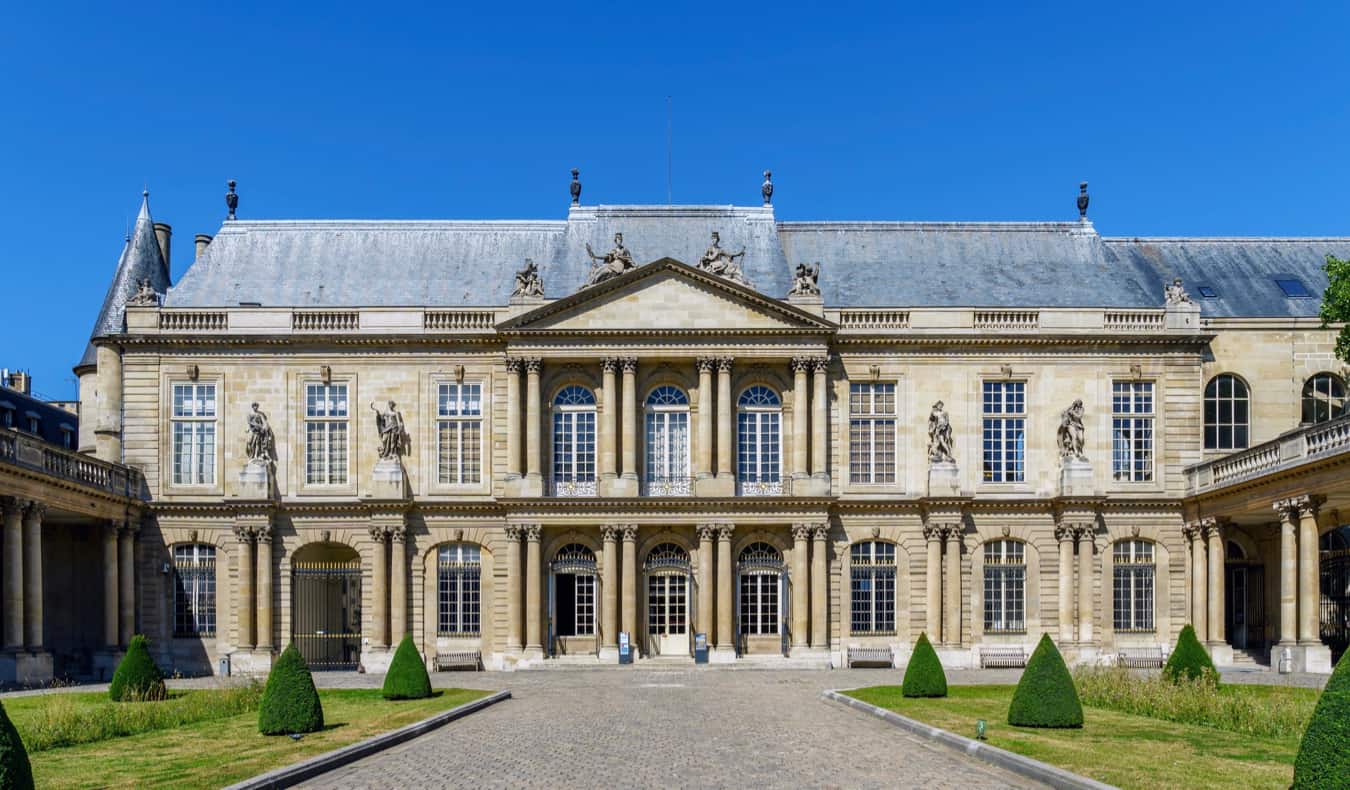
721	262
610	265
941	444
806	281
528	281
1071	435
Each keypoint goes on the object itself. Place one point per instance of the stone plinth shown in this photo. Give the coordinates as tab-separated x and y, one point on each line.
26	668
386	480
811	304
1184	317
944	479
1303	658
618	487
1075	478
1221	653
255	480
376	660
724	487
251	662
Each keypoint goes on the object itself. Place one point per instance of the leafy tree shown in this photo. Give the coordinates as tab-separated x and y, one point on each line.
1045	696
1324	755
290	703
1336	303
15	771
924	676
407	677
137	678
1189	659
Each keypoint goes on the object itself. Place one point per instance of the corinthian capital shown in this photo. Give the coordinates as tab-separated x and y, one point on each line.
513	533
802	364
513	364
609	533
801	531
629	365
707	364
533	365
378	534
610	364
243	533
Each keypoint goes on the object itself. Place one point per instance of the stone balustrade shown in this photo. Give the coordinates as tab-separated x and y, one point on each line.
32	453
1292	449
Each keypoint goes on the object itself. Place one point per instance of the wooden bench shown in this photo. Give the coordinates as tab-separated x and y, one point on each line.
871	656
464	659
1003	657
1141	657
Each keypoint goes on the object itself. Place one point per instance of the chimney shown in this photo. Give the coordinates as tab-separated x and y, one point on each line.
20	382
163	233
203	241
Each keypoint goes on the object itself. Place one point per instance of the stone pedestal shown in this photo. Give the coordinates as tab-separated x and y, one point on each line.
1075	478
1303	658
722	655
1221	653
724	486
27	668
255	480
386	480
376	660
813	303
1184	317
251	662
944	479
956	657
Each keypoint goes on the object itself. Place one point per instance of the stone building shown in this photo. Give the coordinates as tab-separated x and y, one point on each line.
807	441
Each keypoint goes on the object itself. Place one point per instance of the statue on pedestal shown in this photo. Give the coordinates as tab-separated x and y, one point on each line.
393	436
1071	435
610	265
806	281
261	444
1176	294
528	281
941	445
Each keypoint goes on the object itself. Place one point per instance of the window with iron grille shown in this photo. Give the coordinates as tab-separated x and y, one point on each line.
458	579
1133	585
1132	431
761	573
459	433
574	435
1227	412
1005	584
871	433
667	436
194	599
193	427
1005	406
326	434
872	591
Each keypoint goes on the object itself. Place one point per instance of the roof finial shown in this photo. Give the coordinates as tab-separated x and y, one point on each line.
1082	201
576	187
767	188
231	200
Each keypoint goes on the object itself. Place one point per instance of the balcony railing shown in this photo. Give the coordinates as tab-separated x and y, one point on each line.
572	488
30	452
668	486
781	487
1297	447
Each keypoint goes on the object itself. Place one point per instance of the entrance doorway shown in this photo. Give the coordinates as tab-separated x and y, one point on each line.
571	601
1335	590
761	600
326	606
1244	592
668	581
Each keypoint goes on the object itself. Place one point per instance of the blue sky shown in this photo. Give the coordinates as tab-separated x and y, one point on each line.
1186	120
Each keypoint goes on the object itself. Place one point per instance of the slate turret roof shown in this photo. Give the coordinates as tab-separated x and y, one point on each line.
141	259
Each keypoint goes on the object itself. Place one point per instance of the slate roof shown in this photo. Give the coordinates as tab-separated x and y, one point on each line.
51	419
141	259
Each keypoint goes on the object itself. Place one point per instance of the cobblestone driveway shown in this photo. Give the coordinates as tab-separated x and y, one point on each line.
668	728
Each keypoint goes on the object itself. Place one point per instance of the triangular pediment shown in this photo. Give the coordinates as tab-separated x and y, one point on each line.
667	295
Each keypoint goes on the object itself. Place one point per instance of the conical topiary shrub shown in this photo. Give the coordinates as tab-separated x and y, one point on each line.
15	771
1189	659
924	676
1045	696
407	677
290	703
1323	757
137	678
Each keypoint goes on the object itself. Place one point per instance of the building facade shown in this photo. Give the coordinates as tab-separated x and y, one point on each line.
520	442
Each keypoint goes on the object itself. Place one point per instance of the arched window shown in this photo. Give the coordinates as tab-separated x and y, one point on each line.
668	568
1227	413
761	572
1323	398
194	596
574	442
1005	587
1133	585
758	434
574	591
872	590
668	442
458	574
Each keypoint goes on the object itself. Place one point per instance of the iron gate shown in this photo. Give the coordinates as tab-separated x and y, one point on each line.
326	613
1335	566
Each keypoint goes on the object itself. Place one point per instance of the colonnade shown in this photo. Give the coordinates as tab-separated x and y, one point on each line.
23	573
943	575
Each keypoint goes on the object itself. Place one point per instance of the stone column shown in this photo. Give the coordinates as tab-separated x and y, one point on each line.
630	419
801	586
609	419
512	417
513	640
111	609
1288	573
800	365
32	575
126	577
264	622
820	586
532	417
1064	533
820	419
1309	592
534	633
13	547
609	581
630	615
951	578
726	639
704	460
933	578
398	588
1085	549
704	621
1214	536
725	439
379	564
1199	581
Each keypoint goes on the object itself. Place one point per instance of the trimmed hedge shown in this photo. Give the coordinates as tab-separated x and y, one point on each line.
290	703
137	678
15	771
924	676
1189	659
1323	756
407	677
1045	696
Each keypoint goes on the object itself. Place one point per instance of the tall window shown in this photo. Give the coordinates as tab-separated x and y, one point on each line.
194	434
872	588
458	574
326	434
459	433
1005	585
871	433
1132	430
758	422
574	590
667	442
1323	398
574	442
1005	422
761	572
194	597
1133	587
1227	413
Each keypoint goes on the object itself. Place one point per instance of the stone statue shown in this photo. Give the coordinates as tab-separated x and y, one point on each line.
1082	201
1176	294
1071	437
940	443
767	188
145	295
393	437
528	281
231	200
722	263
576	187
610	265
806	282
261	444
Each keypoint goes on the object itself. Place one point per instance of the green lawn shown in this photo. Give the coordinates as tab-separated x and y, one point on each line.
1117	748
220	751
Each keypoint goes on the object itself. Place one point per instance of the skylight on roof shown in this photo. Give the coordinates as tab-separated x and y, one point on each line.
1207	292
1293	288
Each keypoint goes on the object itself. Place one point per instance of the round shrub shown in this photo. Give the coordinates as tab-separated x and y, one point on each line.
15	771
1323	756
407	677
137	678
290	703
1045	696
1189	660
924	676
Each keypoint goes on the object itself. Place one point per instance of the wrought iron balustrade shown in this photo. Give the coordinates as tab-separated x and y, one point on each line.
573	488
668	486
779	487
